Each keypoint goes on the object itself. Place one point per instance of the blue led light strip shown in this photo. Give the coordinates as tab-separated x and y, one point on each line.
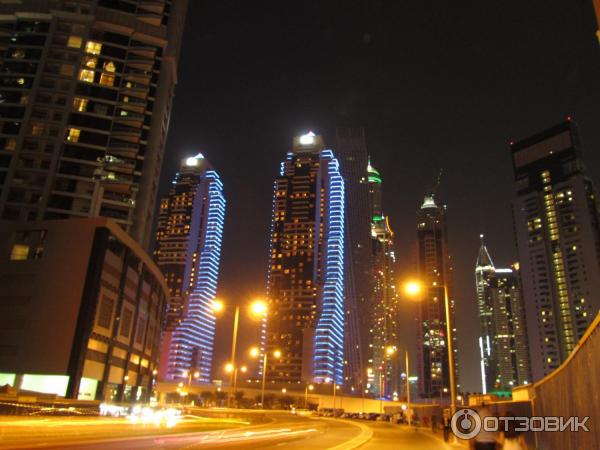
329	333
196	332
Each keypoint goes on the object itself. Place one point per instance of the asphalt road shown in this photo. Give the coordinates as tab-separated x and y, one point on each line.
283	432
387	436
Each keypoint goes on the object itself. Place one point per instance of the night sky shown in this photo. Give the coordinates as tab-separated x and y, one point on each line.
435	84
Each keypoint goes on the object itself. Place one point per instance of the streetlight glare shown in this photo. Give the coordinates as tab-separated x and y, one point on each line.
412	288
196	374
277	354
390	350
228	367
244	369
254	352
217	306
258	308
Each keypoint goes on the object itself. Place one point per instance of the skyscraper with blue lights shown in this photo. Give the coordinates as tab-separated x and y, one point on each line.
306	267
188	251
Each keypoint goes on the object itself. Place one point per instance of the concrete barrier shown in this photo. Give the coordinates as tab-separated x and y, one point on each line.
571	390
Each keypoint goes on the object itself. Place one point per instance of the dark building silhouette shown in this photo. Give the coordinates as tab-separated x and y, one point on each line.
351	151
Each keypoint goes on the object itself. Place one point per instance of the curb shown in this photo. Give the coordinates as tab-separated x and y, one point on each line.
365	435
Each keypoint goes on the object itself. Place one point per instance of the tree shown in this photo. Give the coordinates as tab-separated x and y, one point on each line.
239	395
269	400
220	396
207	398
285	401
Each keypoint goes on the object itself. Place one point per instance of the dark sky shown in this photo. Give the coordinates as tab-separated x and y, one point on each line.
435	84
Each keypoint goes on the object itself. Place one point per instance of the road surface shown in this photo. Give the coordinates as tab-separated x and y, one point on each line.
282	431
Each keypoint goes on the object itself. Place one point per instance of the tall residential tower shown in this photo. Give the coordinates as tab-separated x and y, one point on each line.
435	272
351	151
306	268
86	89
504	354
188	251
555	212
383	313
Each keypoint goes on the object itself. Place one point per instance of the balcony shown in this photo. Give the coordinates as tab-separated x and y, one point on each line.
126	133
123	149
131	119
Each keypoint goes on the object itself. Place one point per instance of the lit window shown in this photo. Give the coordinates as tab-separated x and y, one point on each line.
73	135
18	53
86	75
10	144
109	67
37	129
90	62
93	47
107	79
74	42
19	252
28	245
80	104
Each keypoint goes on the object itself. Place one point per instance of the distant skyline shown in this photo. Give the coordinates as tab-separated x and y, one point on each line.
434	88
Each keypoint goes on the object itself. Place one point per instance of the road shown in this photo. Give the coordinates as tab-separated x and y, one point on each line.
282	431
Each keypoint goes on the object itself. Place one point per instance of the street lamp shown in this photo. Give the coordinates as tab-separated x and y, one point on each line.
309	387
335	388
258	308
233	370
255	352
413	289
189	374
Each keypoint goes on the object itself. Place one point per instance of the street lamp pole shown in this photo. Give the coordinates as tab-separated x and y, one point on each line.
450	347
381	393
334	389
236	321
409	419
308	386
413	288
264	379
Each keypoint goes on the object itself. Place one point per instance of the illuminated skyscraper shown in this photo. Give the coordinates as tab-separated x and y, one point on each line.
351	151
383	314
555	212
188	250
435	272
503	347
86	91
306	269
